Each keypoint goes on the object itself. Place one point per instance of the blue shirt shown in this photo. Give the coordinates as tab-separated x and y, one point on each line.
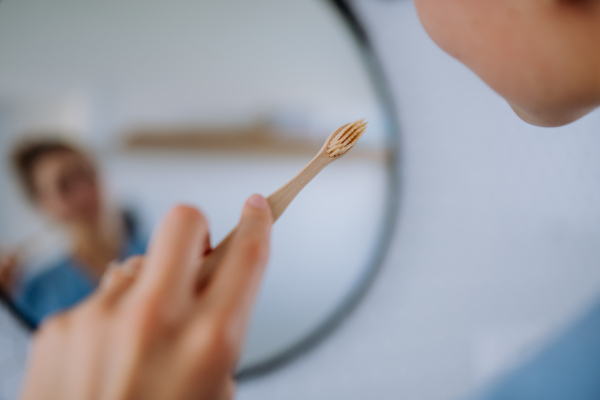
568	369
62	285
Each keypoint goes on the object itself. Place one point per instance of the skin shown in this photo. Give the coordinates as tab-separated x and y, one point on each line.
542	56
148	332
66	188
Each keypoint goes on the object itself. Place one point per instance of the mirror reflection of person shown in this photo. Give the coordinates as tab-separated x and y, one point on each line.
63	183
149	334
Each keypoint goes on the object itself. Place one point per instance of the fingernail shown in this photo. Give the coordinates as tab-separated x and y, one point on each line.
257	201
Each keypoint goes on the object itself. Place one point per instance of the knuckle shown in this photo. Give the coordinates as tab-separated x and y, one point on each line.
221	343
134	260
132	267
254	249
147	315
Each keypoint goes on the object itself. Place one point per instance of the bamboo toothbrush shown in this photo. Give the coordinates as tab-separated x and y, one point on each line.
336	145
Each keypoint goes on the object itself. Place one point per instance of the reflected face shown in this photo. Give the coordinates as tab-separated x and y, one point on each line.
542	56
66	187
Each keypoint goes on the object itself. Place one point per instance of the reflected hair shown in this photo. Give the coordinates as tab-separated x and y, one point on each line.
27	154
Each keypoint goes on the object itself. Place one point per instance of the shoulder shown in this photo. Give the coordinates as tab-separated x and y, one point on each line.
37	293
54	288
48	274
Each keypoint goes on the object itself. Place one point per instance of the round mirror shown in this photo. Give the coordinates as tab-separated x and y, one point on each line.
112	112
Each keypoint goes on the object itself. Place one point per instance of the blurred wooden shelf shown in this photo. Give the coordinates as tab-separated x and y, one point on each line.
253	140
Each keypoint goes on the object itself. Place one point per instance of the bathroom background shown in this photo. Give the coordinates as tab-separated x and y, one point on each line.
496	246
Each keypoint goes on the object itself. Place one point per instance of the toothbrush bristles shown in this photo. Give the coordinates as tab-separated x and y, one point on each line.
345	137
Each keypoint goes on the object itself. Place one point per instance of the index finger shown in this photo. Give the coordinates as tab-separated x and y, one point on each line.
237	278
174	256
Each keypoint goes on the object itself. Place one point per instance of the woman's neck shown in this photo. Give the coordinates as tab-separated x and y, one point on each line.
96	244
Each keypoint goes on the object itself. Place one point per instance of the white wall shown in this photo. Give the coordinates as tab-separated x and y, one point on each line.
143	62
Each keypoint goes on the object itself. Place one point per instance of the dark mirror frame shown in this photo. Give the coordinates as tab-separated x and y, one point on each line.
376	73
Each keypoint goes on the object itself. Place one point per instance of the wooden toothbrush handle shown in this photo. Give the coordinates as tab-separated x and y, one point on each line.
279	201
282	197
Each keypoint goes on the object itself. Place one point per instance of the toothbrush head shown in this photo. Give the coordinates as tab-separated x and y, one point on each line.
345	138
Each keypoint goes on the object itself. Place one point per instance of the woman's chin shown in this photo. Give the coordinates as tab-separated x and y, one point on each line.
551	118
